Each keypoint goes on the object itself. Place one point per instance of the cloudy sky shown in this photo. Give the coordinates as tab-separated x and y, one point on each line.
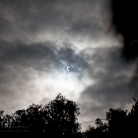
39	39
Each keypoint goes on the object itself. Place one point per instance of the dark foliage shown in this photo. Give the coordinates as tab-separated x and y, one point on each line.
59	119
120	124
99	131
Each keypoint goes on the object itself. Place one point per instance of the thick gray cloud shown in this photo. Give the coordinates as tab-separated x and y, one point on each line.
112	87
40	56
30	21
21	64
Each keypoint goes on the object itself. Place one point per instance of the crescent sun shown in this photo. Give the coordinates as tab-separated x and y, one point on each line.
68	68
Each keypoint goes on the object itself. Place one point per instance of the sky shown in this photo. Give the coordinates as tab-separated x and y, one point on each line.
40	39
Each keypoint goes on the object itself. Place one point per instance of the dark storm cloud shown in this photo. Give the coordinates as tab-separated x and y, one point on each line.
41	56
90	24
36	55
111	89
19	62
86	28
25	20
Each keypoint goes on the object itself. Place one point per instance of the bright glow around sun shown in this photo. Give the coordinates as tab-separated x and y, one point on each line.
45	86
67	83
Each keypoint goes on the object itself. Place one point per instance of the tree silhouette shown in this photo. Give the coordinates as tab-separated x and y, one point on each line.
99	131
117	121
1	119
58	118
62	116
31	117
133	119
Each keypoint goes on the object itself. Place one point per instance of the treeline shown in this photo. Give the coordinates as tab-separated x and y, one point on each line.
58	118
